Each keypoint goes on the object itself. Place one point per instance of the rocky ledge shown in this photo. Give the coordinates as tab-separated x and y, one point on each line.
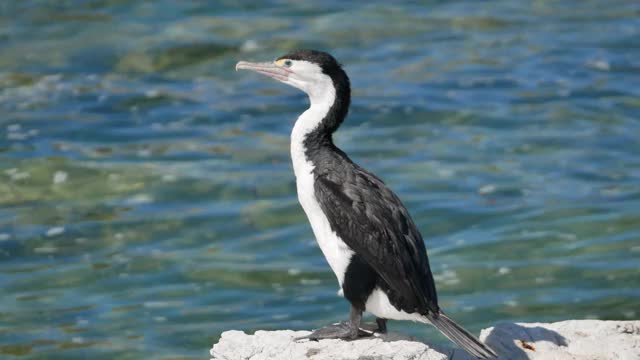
573	339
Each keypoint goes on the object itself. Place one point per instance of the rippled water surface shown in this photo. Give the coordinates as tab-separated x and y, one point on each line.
147	201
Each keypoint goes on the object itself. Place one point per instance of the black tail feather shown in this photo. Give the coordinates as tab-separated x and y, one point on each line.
461	337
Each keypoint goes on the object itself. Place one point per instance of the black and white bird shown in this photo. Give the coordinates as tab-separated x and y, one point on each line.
364	231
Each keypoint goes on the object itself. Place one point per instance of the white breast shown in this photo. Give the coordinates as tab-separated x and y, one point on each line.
379	305
337	253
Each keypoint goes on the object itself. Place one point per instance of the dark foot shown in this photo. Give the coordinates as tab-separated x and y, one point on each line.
349	330
342	330
379	327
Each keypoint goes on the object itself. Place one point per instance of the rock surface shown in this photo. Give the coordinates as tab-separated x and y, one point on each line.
566	340
570	340
265	345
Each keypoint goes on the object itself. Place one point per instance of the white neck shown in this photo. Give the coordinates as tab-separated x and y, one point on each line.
306	123
338	254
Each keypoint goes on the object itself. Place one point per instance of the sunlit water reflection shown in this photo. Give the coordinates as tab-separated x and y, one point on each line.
147	199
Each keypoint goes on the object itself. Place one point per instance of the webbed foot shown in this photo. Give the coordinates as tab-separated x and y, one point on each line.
343	330
379	327
349	330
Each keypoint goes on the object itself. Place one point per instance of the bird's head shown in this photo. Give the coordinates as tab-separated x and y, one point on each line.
315	72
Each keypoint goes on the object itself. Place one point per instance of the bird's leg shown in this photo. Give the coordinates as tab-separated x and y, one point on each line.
379	327
349	330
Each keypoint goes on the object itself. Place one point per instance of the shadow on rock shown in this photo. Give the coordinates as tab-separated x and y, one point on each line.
515	342
510	341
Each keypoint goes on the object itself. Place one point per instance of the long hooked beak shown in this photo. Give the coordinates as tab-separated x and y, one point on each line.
265	68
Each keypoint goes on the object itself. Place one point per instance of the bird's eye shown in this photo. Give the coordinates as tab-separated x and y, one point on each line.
287	63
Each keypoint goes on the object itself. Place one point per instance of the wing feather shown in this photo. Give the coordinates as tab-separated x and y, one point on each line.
375	224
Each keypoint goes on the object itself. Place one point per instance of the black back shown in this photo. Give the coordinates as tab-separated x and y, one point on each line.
371	219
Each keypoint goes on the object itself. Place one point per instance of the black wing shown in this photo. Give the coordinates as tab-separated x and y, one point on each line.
373	222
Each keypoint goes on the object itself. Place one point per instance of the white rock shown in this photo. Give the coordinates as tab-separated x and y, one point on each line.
566	340
280	345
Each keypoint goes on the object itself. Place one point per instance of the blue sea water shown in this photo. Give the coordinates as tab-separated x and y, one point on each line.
147	201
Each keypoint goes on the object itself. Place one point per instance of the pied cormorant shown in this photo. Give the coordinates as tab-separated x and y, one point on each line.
364	231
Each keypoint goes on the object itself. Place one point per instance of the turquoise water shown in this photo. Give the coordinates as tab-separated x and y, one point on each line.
147	201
